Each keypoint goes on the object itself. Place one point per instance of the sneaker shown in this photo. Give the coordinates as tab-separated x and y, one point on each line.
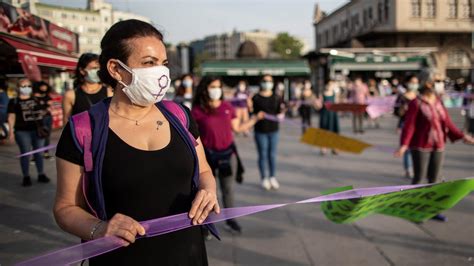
26	181
266	184
274	183
47	156
43	178
440	218
408	174
233	226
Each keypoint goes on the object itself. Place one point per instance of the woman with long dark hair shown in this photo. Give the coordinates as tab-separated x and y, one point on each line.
147	162
217	121
88	88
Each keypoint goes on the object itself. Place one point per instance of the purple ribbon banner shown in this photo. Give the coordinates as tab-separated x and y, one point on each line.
49	147
181	221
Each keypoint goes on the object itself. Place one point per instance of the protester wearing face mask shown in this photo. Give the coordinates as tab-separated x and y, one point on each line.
242	102
88	89
266	132
148	160
24	115
427	126
400	110
217	121
184	94
305	109
329	120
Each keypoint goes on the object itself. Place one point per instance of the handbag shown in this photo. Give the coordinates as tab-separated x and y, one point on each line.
42	131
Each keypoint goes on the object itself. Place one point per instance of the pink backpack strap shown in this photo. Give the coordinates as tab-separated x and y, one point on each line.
181	114
83	133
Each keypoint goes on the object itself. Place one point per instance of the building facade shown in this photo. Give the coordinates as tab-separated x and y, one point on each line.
446	25
226	45
90	23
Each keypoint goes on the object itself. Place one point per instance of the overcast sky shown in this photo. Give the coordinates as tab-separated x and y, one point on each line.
186	20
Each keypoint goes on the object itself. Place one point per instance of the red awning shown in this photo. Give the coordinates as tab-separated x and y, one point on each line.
41	56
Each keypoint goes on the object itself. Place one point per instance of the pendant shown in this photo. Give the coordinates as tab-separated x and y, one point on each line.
136	123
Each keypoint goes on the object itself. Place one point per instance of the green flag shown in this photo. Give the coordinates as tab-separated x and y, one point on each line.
416	205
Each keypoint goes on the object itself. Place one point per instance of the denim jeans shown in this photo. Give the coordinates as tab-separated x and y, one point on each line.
25	140
267	149
48	121
407	160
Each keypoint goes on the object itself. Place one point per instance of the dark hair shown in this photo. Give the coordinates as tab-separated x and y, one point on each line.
37	85
428	86
181	89
410	77
82	63
202	98
115	44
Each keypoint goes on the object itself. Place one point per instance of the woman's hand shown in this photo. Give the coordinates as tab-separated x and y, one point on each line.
468	139
204	202
260	115
400	151
121	226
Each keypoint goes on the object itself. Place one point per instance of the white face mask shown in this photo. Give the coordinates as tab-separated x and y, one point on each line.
439	87
92	76
187	83
267	85
148	86
413	86
215	93
26	91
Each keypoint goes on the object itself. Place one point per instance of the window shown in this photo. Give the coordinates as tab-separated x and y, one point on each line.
430	8
364	19
380	12
466	9
355	21
335	33
370	14
326	34
386	7
416	8
453	8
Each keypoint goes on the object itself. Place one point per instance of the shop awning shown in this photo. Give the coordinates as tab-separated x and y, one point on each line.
377	63
41	56
255	67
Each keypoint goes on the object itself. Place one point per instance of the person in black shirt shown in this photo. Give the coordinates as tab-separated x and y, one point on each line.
147	168
88	89
24	114
266	132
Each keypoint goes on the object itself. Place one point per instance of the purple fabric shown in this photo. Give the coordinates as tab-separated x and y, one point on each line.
181	221
49	147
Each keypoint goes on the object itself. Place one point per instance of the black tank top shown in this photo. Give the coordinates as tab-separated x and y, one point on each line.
84	101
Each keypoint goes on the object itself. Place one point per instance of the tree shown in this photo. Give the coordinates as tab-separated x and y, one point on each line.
287	46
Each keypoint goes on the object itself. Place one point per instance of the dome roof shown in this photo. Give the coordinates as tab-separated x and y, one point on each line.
248	49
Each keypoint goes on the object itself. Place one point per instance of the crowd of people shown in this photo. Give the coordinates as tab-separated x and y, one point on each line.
135	138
